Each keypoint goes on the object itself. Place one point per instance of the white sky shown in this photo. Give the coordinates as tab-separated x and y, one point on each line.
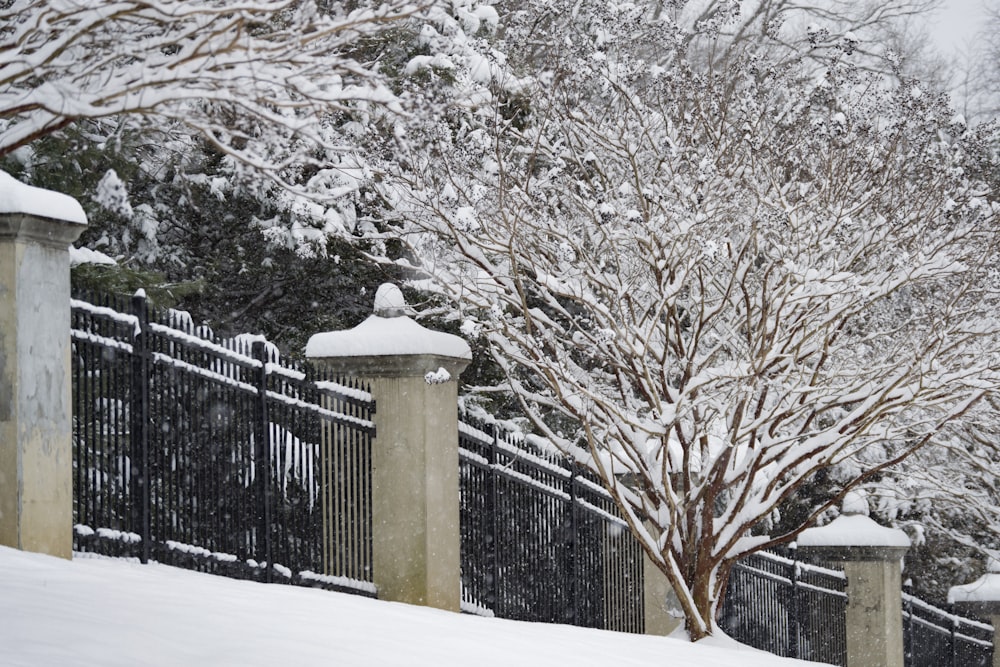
958	23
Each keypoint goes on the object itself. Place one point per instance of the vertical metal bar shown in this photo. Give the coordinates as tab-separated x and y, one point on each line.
94	428
793	607
140	425
493	536
573	555
953	636
367	438
908	623
263	466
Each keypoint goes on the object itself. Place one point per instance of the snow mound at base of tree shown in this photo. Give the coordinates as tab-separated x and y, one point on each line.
107	612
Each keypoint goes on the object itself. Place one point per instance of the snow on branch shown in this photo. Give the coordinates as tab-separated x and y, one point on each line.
256	78
726	287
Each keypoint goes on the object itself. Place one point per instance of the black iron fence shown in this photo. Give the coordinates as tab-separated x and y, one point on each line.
788	608
212	455
933	637
798	610
541	541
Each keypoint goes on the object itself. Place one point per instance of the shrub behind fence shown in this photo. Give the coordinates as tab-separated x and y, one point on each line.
213	455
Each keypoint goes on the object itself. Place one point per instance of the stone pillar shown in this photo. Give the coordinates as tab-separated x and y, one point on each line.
415	497
981	598
658	600
36	454
871	556
661	610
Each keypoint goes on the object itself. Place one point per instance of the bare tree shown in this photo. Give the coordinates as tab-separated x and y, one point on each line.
256	78
779	25
977	77
709	288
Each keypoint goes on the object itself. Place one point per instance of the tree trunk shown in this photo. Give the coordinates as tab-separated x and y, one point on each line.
702	590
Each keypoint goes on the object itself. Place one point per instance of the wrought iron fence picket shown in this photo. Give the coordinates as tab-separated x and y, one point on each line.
538	541
212	455
216	457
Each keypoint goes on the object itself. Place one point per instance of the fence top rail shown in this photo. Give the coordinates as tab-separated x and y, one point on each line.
945	616
105	311
505	441
510	444
785	581
193	340
236	350
803	567
541	487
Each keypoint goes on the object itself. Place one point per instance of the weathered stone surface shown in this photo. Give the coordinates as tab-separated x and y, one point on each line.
36	457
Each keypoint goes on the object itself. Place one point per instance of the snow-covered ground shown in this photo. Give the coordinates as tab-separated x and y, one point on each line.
91	611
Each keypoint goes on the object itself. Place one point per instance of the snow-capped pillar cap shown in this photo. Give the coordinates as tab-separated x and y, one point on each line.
415	499
390	343
43	216
982	596
853	536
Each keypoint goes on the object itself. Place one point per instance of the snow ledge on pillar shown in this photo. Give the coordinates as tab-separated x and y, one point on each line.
982	596
16	197
388	341
854	536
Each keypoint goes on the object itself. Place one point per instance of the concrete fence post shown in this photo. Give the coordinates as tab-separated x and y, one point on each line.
36	454
659	603
981	598
871	556
415	496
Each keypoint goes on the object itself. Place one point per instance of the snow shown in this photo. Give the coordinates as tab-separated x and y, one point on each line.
386	336
440	376
389	332
853	530
856	502
16	197
984	589
389	301
78	256
107	612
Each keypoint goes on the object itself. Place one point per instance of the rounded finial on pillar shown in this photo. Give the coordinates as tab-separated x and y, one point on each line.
856	503
389	302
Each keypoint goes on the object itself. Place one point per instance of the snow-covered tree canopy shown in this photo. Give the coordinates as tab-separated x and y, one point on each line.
258	79
719	283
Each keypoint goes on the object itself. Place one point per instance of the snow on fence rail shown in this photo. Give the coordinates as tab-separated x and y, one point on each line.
540	541
204	446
